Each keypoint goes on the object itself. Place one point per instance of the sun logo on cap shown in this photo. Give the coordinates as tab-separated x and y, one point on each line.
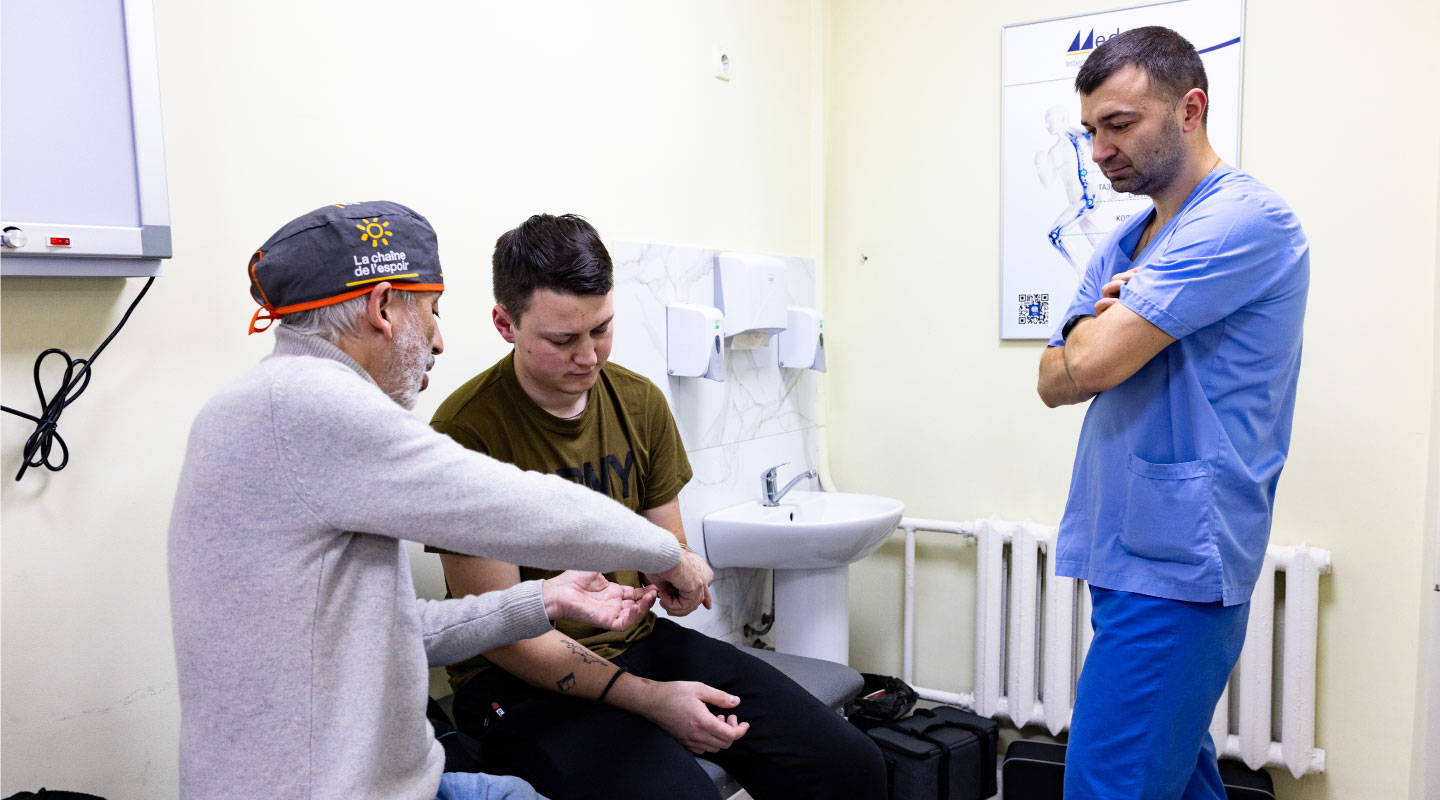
374	232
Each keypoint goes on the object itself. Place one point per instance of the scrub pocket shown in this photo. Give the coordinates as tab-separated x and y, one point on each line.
1167	511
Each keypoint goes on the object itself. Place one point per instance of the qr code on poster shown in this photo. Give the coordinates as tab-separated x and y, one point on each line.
1034	309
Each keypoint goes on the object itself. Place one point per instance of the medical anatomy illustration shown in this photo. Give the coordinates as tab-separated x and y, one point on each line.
1066	165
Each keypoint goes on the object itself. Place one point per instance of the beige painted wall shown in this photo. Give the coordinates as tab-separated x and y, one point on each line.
926	404
477	115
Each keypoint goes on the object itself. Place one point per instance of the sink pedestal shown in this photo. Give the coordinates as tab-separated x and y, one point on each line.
812	613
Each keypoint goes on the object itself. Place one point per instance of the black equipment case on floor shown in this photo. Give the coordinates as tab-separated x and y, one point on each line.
939	754
1243	783
1036	771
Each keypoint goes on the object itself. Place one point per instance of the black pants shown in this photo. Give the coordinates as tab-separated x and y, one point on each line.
571	748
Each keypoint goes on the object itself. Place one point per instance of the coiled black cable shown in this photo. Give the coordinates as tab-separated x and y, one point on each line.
74	383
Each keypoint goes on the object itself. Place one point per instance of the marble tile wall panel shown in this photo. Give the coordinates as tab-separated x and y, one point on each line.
760	416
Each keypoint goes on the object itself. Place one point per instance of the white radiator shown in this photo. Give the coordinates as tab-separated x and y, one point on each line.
1032	629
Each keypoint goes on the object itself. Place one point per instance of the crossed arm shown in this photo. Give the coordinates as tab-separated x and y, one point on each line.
1101	352
555	662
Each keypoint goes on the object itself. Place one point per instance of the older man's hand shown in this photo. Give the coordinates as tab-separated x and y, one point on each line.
685	586
588	597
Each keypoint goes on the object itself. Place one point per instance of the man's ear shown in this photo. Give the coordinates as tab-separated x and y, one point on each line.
378	308
1192	109
503	323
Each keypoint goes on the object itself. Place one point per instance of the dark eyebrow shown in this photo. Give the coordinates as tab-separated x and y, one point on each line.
1123	112
563	334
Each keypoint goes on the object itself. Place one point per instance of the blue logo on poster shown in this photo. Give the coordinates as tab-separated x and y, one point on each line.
1034	309
1091	42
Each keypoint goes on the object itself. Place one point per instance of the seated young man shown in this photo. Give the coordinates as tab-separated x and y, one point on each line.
583	712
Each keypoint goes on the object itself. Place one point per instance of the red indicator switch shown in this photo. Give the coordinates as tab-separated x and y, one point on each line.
59	241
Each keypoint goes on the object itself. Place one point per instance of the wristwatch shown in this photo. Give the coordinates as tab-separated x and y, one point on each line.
1071	323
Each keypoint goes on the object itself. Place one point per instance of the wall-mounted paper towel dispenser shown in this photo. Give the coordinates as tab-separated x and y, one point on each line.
750	292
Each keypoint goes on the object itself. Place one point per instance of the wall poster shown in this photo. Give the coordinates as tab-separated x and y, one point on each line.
1055	205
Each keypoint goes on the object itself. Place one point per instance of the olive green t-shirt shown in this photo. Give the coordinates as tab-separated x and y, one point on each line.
625	445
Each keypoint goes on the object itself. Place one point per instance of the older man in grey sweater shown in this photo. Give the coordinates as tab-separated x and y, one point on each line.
302	649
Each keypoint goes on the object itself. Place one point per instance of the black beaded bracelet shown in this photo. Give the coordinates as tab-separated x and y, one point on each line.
606	690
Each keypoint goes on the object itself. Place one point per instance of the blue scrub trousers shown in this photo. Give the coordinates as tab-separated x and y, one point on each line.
1148	690
479	786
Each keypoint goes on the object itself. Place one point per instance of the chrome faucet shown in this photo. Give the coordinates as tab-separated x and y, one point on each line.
767	485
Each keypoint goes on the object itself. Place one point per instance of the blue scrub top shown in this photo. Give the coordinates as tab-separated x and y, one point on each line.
1174	481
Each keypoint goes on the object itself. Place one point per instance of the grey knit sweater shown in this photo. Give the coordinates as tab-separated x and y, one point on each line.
301	646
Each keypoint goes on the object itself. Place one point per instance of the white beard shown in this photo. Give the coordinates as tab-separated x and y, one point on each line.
406	370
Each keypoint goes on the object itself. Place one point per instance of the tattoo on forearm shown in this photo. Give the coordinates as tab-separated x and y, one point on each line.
566	683
586	657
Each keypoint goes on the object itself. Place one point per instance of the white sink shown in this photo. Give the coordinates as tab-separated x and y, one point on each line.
809	539
807	530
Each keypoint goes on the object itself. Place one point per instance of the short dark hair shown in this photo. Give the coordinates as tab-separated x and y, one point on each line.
563	254
1170	61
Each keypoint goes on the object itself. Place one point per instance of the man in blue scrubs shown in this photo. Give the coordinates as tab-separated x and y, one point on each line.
1185	336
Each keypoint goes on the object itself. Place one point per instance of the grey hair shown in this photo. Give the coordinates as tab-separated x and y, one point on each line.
337	321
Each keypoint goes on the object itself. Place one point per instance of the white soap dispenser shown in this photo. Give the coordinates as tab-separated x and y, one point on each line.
802	344
694	341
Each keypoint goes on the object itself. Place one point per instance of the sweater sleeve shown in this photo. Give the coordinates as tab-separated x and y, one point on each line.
455	630
357	461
